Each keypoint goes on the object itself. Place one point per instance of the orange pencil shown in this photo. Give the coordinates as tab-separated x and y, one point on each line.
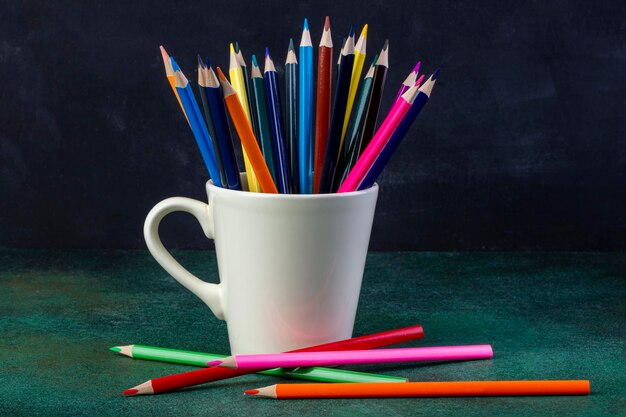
423	389
169	73
246	135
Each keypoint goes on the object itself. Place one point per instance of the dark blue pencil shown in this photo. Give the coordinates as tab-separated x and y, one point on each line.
400	132
291	114
276	123
215	100
333	145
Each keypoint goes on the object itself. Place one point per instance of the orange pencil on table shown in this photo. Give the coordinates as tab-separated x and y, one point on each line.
423	389
248	140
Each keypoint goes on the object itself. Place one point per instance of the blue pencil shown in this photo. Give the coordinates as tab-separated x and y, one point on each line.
276	123
197	125
333	145
305	116
400	132
215	101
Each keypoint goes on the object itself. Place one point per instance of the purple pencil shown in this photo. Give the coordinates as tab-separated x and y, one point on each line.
409	81
420	354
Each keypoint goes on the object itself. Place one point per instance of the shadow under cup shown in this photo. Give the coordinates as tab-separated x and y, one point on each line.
290	265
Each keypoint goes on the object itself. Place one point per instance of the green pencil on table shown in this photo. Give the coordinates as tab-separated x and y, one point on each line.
185	357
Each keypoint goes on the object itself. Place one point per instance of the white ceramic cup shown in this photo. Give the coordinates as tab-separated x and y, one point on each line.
290	266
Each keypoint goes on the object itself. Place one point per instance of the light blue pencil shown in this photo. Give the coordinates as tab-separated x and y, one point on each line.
305	115
198	127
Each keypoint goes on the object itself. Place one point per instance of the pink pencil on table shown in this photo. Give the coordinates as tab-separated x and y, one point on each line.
346	357
376	145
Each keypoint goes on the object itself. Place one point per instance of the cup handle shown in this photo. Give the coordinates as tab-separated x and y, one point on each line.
211	294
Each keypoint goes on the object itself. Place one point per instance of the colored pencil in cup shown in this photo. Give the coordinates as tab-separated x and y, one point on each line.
389	125
246	135
276	124
392	144
169	73
424	389
261	116
244	69
215	100
355	78
305	114
409	81
197	125
351	143
185	357
322	107
202	376
208	118
333	145
376	96
235	72
347	357
291	115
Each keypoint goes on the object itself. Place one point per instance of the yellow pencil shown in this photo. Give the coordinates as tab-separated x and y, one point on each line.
235	74
359	60
169	73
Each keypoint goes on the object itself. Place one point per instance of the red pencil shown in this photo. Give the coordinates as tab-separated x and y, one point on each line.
201	376
322	109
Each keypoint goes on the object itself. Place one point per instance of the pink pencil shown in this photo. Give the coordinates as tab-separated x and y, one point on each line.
289	360
384	132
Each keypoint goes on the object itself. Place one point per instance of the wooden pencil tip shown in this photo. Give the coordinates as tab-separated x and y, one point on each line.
327	23
351	34
306	24
207	62
267	53
220	74
232	49
254	61
435	74
200	62
291	48
416	68
364	31
386	44
251	392
214	363
116	349
130	392
419	80
237	47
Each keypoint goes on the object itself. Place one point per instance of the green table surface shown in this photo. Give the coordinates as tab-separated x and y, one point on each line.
547	315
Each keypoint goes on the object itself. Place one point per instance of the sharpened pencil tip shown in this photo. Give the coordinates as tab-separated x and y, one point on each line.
416	68
351	31
327	23
251	391
232	49
254	62
131	391
364	31
213	363
200	62
237	47
386	44
267	52
291	48
306	24
207	62
435	74
115	349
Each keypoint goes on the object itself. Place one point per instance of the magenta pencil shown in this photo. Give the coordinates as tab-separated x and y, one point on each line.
346	357
376	145
409	81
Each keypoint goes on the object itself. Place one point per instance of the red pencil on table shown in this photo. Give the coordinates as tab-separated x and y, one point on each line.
201	376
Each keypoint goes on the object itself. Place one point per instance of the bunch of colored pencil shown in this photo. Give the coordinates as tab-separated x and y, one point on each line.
305	145
307	364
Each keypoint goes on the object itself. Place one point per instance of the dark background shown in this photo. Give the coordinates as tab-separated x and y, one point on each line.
520	148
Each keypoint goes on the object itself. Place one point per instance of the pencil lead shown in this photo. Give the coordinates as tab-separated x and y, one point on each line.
364	31
291	48
306	24
327	23
251	391
326	40
267	52
435	74
213	363
237	47
227	89
361	44
254	61
416	68
167	63
386	45
351	34
207	63
200	62
418	82
116	349
130	392
232	49
141	389
255	72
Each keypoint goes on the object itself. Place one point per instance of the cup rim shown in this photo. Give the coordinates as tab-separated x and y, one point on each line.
369	190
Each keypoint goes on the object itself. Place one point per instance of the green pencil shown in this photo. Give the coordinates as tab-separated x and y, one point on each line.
185	357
